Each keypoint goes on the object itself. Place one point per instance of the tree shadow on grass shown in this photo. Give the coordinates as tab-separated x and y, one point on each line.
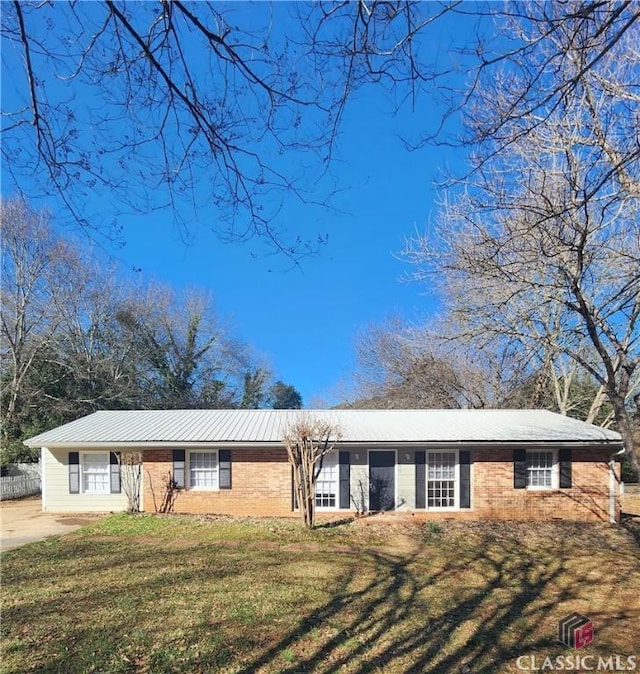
432	604
334	524
405	619
631	523
120	625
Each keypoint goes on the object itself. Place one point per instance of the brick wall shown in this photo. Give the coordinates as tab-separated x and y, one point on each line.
494	496
261	486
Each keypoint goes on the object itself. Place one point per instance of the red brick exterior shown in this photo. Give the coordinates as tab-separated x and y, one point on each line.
494	497
261	486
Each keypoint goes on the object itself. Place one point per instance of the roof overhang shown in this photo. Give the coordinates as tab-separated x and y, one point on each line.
398	444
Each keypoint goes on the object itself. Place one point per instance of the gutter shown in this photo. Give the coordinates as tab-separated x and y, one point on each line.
612	485
346	444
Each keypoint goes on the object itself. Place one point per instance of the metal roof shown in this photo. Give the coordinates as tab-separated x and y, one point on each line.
145	427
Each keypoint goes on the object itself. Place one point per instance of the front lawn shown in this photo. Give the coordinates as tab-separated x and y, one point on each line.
193	594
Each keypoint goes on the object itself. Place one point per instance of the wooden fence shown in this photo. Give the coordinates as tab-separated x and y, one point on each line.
17	486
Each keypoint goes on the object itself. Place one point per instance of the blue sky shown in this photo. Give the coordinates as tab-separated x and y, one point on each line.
303	320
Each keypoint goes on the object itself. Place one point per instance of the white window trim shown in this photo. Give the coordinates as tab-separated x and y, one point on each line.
456	482
83	489
555	471
187	469
336	484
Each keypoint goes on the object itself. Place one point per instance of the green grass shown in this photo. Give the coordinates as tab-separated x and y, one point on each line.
194	594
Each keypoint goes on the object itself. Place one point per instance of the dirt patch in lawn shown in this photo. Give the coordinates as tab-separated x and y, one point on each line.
74	521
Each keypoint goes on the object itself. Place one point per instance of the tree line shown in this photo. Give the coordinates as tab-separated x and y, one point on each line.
77	336
400	365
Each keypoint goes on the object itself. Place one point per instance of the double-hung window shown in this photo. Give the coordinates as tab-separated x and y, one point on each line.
327	482
443	479
95	473
540	469
442	482
203	470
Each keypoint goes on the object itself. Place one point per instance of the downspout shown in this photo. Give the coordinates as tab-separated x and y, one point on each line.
612	485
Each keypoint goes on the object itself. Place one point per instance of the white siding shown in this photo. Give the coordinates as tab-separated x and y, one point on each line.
55	489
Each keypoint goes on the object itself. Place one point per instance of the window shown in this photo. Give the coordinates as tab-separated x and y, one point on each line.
540	469
441	480
327	482
95	473
203	470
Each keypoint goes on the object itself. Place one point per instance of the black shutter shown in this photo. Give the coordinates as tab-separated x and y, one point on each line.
178	468
564	459
465	479
519	468
114	473
224	468
74	472
345	479
421	479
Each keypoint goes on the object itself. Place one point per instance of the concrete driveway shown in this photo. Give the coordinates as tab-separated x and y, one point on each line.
23	521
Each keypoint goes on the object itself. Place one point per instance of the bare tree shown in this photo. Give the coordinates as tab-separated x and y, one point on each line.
131	478
187	105
308	440
400	365
389	44
541	248
35	284
162	104
95	355
394	370
542	55
403	365
168	494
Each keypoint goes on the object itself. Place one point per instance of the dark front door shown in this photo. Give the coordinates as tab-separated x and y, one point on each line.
382	486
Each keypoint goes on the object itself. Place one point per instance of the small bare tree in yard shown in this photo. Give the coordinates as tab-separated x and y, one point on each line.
308	440
169	493
131	478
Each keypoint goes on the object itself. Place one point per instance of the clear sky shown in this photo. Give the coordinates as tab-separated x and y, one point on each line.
304	320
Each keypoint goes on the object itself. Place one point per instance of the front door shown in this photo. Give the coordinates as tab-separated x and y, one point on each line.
382	486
